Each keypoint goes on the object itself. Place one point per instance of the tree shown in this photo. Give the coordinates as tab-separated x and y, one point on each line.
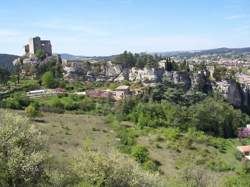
22	151
218	118
48	80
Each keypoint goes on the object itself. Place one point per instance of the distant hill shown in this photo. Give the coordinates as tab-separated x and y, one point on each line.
6	61
67	56
218	51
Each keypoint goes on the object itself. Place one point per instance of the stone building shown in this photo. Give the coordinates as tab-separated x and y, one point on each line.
36	44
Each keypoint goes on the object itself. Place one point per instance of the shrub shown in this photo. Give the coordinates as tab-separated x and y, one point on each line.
112	169
31	111
87	104
140	153
151	165
172	133
127	140
22	151
12	103
219	165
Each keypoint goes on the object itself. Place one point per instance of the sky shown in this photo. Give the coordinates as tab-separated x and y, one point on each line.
106	27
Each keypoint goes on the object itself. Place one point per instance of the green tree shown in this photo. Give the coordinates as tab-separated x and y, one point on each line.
218	118
48	80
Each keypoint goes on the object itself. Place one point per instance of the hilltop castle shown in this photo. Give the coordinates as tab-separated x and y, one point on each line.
36	44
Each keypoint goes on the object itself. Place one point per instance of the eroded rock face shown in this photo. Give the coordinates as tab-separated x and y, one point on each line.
235	94
201	82
178	77
239	95
144	75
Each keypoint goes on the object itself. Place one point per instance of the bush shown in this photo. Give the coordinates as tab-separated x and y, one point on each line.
172	133
151	165
22	150
113	169
127	140
12	103
219	165
140	153
16	101
31	111
87	104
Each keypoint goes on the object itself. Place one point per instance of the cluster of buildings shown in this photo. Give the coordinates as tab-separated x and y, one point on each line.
120	93
243	79
232	63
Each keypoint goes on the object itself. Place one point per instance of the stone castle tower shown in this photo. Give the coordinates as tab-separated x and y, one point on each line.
36	44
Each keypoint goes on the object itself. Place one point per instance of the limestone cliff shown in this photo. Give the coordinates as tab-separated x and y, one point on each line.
239	95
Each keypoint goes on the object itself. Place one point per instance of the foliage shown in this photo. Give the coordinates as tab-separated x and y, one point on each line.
32	111
154	114
151	165
128	60
112	169
22	151
140	153
239	181
217	118
15	101
48	80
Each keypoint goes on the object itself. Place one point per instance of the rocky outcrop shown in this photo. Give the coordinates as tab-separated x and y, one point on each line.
239	95
108	71
201	82
178	77
146	75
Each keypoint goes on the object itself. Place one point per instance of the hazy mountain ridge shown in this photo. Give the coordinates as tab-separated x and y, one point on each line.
67	56
216	51
6	61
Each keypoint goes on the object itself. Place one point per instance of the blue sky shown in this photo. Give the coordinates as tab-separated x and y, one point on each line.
105	27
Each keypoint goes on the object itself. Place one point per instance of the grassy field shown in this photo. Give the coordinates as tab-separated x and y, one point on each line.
68	132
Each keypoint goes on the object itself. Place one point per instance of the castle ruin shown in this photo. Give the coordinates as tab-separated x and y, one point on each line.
36	44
